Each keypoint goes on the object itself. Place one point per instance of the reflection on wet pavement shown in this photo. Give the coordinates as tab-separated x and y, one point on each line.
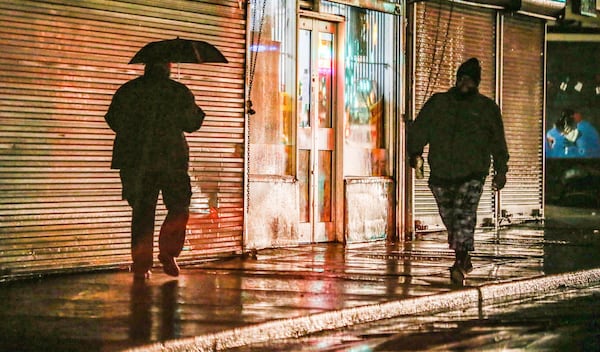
107	311
567	321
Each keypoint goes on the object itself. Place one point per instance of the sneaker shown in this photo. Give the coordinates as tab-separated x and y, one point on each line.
467	265
140	276
463	261
169	264
457	276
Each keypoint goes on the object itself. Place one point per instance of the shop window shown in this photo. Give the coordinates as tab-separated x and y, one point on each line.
369	92
369	86
364	132
272	94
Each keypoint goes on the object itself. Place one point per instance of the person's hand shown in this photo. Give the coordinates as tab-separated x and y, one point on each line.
413	160
498	182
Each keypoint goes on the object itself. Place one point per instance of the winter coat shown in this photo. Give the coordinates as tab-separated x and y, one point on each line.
149	116
462	133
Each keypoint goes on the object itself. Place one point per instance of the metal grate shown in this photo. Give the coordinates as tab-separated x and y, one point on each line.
60	204
447	34
522	107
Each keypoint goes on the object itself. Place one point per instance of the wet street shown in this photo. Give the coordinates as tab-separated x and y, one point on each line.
310	164
569	321
106	311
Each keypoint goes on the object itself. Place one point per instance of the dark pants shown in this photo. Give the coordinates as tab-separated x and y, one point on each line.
141	192
457	205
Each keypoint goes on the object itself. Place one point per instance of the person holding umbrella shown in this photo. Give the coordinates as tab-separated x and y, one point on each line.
149	115
464	131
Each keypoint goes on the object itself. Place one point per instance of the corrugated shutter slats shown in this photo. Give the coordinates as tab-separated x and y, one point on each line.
447	35
522	107
60	204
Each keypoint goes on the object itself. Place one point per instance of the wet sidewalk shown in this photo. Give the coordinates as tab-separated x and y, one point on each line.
108	312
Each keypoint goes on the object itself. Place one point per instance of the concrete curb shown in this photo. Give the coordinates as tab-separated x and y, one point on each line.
540	285
304	325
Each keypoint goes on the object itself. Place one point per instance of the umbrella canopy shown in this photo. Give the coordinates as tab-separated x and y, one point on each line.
178	51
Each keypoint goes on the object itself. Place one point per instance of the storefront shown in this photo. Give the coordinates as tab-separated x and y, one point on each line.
573	83
511	48
320	160
60	203
322	146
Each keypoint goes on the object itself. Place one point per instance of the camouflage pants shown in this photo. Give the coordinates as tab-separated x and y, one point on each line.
457	205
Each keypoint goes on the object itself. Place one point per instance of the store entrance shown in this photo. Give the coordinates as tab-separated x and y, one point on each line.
316	159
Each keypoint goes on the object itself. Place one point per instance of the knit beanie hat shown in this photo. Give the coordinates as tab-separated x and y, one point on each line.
470	68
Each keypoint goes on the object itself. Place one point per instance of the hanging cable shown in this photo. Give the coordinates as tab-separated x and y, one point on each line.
435	50
254	49
435	41
254	44
445	41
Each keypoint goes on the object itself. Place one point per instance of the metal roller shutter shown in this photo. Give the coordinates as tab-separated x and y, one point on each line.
60	204
447	34
522	107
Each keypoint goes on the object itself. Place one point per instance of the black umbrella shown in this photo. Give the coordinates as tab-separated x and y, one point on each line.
178	51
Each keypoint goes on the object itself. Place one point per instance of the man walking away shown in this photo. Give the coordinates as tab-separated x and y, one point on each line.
149	115
463	129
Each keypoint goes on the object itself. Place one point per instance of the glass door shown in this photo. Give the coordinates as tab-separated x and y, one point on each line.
316	136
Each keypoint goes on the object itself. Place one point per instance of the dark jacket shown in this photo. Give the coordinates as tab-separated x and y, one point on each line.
462	133
149	116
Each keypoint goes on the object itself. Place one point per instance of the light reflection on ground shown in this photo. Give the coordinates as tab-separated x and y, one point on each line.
105	311
567	321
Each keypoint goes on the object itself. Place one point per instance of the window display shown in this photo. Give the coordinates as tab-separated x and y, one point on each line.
369	82
573	114
272	95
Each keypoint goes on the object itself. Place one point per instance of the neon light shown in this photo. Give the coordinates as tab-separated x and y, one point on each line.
262	48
